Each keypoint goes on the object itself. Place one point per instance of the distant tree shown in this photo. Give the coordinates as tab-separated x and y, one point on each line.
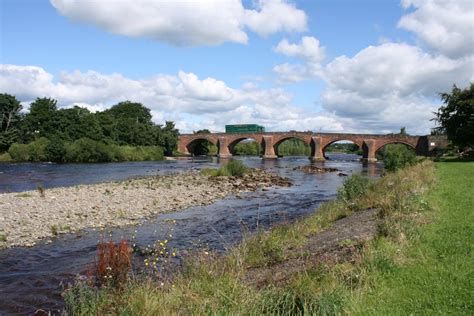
78	122
129	123
403	131
42	120
131	111
10	117
456	117
169	137
202	131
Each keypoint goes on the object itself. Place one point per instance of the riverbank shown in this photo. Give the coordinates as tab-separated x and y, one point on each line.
402	246
30	216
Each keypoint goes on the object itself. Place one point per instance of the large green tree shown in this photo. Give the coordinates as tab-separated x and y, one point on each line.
10	117
129	123
78	122
42	120
456	117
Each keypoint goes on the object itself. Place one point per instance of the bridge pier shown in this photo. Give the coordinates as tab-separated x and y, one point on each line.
223	148
371	157
269	150
317	149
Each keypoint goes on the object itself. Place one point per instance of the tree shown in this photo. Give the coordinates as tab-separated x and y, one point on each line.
129	123
456	117
202	131
10	116
403	131
398	156
170	138
42	120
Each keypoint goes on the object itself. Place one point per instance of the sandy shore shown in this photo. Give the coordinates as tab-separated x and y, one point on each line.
29	216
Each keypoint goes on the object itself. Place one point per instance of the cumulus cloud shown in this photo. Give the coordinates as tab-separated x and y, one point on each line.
191	102
309	51
392	84
445	25
186	23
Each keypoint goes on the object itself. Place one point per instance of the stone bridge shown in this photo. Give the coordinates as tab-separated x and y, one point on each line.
269	142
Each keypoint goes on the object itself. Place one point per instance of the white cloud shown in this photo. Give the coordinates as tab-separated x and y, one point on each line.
185	23
445	25
309	51
275	16
392	84
292	72
191	102
397	68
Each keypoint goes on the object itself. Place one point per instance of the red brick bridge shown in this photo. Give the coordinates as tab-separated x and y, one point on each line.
269	141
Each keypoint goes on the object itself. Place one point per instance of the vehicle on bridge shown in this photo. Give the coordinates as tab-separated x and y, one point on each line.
244	128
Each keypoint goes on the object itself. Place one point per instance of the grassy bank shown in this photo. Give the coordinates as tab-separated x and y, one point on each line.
435	271
414	258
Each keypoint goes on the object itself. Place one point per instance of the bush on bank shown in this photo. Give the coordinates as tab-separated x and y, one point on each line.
212	284
81	150
397	156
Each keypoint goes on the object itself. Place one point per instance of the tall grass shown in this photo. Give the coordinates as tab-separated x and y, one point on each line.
234	168
214	284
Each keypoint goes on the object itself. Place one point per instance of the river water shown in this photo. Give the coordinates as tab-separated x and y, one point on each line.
32	279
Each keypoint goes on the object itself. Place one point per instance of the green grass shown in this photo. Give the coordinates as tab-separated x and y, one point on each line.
438	274
419	263
234	168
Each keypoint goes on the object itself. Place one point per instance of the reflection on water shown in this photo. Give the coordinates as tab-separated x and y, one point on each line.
30	278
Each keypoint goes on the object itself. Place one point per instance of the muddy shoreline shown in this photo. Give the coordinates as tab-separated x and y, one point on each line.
30	216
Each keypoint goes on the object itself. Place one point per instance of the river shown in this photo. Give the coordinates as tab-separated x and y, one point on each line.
32	279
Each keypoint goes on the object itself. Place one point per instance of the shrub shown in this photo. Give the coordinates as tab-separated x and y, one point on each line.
88	150
5	157
34	151
55	150
114	262
397	156
236	168
354	187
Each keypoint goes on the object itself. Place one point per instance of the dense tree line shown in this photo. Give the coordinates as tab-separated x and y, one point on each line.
46	132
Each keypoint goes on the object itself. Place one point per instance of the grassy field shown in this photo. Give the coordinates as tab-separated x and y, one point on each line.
417	261
437	274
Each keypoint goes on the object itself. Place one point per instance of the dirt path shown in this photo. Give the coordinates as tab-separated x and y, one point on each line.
338	243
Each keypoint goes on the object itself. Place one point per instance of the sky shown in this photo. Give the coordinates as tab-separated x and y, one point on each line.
367	66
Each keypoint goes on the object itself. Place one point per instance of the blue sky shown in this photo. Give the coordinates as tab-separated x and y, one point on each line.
70	50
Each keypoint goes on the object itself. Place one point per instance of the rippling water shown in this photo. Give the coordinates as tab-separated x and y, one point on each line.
32	278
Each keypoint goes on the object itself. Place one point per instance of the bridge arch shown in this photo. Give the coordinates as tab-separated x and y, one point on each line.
199	146
358	143
250	140
382	145
300	139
